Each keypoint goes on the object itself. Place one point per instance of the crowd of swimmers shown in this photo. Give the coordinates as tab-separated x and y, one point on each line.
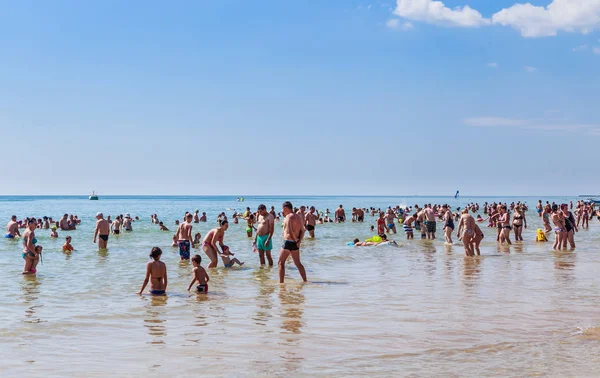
297	222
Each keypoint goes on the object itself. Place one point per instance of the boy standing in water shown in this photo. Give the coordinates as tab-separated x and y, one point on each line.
199	274
184	237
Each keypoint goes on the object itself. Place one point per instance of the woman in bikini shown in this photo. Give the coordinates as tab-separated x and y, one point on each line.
560	228
585	216
30	254
504	224
209	244
467	226
546	218
156	273
519	221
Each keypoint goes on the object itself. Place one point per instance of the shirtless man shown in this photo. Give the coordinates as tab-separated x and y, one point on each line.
431	224
263	240
539	207
102	231
420	223
12	228
64	222
340	215
116	226
407	225
184	237
293	233
196	216
390	220
302	213
311	221
203	217
360	215
466	225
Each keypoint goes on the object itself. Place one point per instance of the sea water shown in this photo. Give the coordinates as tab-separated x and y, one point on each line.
421	309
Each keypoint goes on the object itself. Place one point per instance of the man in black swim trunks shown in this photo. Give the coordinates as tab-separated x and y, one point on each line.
293	233
311	221
340	214
102	231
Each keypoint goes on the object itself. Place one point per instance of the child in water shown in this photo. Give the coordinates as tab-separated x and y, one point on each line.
175	244
199	275
53	233
156	273
227	261
540	236
67	247
197	240
163	227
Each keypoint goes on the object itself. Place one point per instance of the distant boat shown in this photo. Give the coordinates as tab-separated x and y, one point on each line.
94	196
240	199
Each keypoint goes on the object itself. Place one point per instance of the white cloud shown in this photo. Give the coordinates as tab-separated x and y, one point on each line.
494	121
435	12
581	16
596	50
492	65
560	15
533	124
395	24
530	69
580	48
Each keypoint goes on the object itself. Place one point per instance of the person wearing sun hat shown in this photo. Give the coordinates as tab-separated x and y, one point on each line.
127	223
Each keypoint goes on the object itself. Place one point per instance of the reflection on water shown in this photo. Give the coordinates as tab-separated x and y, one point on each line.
30	287
102	255
564	264
471	269
264	302
291	302
154	320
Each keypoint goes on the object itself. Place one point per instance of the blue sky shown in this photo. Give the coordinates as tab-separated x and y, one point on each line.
314	97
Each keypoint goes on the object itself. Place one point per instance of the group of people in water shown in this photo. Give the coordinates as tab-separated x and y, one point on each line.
297	222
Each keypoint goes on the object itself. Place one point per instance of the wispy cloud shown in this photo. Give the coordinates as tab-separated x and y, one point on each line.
492	65
596	50
530	69
580	48
581	16
494	121
533	124
397	24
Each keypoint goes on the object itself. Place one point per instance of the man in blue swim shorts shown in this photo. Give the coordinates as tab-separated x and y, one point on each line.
12	228
184	237
264	234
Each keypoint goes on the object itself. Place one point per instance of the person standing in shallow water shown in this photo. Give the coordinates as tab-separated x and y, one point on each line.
209	244
31	253
102	231
12	228
264	235
293	233
184	237
156	273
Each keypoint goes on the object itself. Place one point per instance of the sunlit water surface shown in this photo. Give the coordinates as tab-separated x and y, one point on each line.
420	309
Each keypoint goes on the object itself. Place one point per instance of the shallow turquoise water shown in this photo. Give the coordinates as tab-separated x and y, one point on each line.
421	309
